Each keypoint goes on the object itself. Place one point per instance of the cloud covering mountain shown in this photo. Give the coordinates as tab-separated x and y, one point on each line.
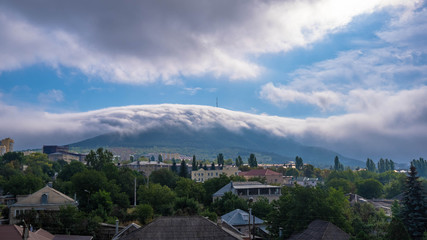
398	132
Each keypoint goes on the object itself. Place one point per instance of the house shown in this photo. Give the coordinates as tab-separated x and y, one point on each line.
147	167
246	190
271	177
239	219
128	229
290	164
321	230
15	232
202	175
45	199
56	153
307	182
182	227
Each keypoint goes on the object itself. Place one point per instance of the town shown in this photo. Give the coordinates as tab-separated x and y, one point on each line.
56	193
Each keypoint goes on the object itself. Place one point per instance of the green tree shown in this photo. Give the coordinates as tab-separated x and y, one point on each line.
340	183
70	169
298	206
382	165
188	188
144	213
308	170
252	161
23	184
213	166
421	166
161	198
87	183
160	158
194	164
183	169
212	185
101	204
414	210
337	165
370	188
228	203
186	206
174	168
97	160
239	161
370	165
396	230
164	177
262	208
299	163
220	159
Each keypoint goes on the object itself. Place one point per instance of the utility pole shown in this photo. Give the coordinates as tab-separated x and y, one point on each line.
134	194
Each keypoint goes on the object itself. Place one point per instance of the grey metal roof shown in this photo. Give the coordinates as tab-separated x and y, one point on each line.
239	217
182	227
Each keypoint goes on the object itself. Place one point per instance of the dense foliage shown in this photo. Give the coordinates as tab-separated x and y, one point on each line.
106	193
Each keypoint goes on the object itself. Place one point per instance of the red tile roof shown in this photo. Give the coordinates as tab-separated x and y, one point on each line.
260	172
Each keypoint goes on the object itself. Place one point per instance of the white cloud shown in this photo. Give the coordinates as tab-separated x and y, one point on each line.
148	41
394	125
53	95
281	95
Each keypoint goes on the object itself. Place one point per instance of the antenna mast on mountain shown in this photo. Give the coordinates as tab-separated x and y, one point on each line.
216	101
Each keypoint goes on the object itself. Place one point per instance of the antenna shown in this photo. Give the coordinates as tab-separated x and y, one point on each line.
216	101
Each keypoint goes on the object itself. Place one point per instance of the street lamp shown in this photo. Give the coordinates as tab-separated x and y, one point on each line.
250	200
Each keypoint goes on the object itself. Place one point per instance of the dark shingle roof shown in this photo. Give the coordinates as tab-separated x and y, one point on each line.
181	227
321	230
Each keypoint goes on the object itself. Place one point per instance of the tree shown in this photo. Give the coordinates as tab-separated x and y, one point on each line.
308	170
370	165
23	184
421	166
239	161
164	177
186	206
97	160
161	198
340	183
298	206
213	166
414	210
194	164
220	159
262	208
152	159
228	203
188	188
160	158
396	230
369	188
299	163
252	161
174	168
183	170
87	183
337	165
144	213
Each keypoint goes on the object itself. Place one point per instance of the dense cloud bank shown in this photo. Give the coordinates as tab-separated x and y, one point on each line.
399	132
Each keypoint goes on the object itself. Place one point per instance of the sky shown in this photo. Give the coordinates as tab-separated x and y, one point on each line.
350	76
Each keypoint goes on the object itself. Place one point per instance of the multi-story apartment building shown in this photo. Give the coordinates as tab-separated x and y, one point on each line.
202	175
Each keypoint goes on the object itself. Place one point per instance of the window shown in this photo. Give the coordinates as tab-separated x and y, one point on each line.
253	191
44	198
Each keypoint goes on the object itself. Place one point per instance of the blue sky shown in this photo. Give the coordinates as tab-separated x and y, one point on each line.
341	71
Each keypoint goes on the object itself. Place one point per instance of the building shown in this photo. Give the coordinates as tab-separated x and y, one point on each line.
202	175
147	167
321	230
290	164
56	153
45	199
307	182
246	190
66	156
182	227
14	232
6	145
270	176
239	219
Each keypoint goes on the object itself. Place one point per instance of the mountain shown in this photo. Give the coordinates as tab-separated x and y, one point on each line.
210	142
